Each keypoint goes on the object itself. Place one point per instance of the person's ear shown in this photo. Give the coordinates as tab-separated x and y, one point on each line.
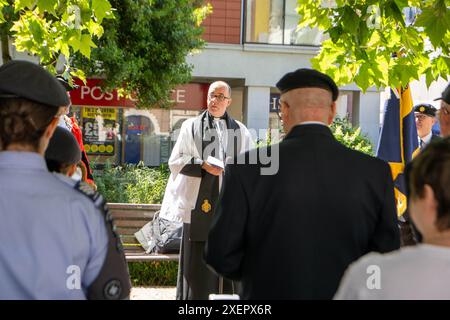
430	203
332	113
51	128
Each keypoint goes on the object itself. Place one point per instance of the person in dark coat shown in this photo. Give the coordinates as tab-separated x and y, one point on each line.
292	234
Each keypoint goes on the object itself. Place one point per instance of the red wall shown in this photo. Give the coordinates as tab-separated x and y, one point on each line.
223	25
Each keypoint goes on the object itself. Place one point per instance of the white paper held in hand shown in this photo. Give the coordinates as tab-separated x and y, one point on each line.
215	162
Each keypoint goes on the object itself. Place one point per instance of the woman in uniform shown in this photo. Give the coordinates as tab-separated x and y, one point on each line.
56	238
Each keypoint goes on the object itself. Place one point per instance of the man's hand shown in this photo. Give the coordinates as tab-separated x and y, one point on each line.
215	171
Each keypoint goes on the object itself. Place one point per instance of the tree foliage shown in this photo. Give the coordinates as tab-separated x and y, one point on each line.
50	28
365	35
143	50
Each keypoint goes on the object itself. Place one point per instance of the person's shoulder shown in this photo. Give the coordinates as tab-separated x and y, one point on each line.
188	123
80	191
240	124
435	137
85	190
366	159
392	262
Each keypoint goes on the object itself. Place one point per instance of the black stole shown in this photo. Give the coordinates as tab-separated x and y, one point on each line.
205	136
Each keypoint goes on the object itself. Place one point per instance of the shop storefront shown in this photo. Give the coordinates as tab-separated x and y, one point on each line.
115	131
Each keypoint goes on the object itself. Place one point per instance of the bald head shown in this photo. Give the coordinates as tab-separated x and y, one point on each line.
307	104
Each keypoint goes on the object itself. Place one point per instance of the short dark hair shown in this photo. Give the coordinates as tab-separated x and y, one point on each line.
23	121
55	166
432	167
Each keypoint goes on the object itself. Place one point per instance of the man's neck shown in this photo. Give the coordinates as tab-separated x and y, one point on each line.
441	239
313	122
426	138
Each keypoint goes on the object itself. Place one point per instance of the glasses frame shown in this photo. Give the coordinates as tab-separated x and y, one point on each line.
219	97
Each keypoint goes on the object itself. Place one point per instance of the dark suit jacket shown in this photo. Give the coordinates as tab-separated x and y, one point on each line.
292	235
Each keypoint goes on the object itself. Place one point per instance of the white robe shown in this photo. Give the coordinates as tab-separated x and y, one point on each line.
181	192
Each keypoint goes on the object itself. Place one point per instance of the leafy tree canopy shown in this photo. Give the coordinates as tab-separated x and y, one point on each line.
137	45
144	49
365	35
50	28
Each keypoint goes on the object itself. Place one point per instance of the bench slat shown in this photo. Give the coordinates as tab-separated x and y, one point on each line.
132	214
152	257
126	231
136	224
133	206
129	240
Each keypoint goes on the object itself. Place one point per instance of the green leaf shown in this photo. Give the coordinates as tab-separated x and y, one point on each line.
362	78
75	41
95	29
47	5
78	73
85	45
23	4
350	20
36	31
436	23
393	11
101	9
429	77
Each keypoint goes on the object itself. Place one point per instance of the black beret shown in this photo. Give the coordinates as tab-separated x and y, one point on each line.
307	78
445	95
24	79
63	147
66	83
426	109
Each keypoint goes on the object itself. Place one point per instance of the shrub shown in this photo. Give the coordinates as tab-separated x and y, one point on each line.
351	137
132	183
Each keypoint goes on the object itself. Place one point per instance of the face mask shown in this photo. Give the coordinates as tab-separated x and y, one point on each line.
77	176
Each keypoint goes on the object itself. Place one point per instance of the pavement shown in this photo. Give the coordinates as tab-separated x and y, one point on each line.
153	293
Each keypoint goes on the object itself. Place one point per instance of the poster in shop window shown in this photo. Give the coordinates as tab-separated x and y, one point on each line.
99	130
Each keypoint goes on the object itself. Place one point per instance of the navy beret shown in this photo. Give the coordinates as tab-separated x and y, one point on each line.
63	147
445	95
307	78
426	109
24	79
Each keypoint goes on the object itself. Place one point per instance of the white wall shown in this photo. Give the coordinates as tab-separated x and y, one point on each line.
256	110
261	66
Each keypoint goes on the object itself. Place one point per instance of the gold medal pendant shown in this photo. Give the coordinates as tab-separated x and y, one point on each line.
206	206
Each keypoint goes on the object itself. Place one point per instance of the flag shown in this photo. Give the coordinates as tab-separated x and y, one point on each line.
398	143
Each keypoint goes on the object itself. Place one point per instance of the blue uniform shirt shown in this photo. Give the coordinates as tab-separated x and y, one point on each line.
53	240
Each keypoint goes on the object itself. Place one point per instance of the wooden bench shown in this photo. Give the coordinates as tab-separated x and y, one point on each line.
129	218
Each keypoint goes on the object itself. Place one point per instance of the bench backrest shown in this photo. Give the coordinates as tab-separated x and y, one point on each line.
129	218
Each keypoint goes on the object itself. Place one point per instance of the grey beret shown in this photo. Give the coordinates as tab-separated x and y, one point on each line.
24	79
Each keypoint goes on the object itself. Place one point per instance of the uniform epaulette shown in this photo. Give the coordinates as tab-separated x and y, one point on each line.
89	192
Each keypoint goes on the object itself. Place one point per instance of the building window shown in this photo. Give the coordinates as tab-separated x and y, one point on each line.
275	22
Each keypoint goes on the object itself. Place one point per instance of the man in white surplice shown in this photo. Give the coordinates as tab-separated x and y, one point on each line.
194	185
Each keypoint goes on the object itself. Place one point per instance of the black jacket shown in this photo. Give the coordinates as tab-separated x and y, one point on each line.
292	235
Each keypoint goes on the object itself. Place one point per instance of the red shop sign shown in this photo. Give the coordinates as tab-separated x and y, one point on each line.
190	96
